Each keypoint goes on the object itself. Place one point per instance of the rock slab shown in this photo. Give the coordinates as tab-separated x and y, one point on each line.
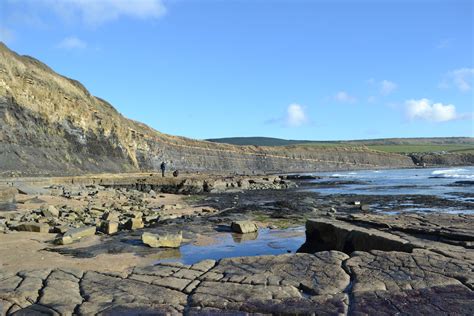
244	227
162	240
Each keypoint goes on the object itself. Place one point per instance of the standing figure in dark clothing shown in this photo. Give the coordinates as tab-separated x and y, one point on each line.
163	168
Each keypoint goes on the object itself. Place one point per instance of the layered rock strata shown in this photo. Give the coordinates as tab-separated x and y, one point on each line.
52	125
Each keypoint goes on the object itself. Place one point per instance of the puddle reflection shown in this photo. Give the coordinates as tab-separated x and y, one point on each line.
265	242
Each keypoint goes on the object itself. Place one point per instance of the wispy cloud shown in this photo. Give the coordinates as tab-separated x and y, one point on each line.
344	97
444	43
72	42
384	87
425	109
387	87
6	35
461	78
93	13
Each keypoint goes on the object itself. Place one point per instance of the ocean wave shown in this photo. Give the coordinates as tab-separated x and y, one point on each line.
453	173
340	175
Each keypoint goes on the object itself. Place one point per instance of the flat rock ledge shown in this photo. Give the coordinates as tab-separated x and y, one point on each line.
324	283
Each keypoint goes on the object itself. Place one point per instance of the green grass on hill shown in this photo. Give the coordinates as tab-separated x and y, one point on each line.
424	148
391	145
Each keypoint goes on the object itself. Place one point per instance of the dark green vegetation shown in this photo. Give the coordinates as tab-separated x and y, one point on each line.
393	145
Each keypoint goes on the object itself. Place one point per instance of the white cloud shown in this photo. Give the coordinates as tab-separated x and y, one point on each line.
462	78
96	12
6	35
296	115
424	109
387	87
72	42
344	97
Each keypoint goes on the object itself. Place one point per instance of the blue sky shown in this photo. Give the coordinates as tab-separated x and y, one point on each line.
292	69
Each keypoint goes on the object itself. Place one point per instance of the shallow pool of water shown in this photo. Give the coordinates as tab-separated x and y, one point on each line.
265	242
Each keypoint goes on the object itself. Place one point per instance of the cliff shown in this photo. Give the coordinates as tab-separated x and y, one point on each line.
51	125
448	159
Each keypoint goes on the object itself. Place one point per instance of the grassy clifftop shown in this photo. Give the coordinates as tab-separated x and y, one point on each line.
391	145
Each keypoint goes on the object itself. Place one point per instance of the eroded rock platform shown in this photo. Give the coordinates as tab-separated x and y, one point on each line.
328	283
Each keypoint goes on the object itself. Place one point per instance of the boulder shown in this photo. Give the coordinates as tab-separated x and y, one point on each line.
134	223
64	240
33	227
7	194
162	240
151	218
244	227
331	234
60	229
109	227
111	216
81	232
243	184
137	214
50	211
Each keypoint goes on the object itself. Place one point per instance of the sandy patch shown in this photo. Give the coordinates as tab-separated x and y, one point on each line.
25	251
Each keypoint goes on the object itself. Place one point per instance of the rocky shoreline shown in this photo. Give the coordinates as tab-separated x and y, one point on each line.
356	259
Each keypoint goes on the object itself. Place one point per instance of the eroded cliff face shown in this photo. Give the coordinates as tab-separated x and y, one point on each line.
51	125
447	159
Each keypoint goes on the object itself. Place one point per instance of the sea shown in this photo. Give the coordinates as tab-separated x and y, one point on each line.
454	184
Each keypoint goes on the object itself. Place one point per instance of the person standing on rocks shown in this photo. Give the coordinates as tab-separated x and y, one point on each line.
163	168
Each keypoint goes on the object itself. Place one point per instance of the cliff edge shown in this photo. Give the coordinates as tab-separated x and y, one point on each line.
52	125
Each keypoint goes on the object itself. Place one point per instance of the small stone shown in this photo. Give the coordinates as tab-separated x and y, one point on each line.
364	207
244	227
162	240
